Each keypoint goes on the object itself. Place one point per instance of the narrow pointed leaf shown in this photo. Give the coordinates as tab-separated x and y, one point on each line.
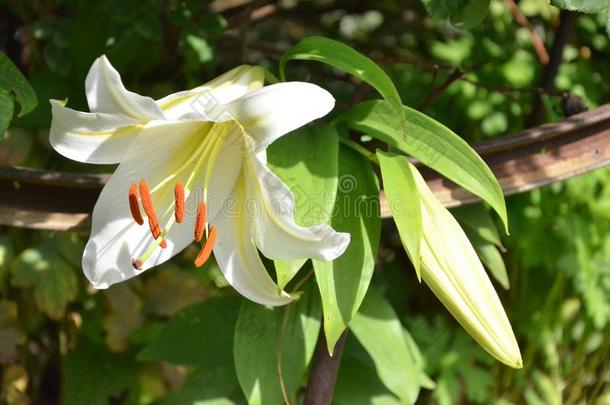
476	218
344	281
307	161
403	200
433	144
491	258
345	58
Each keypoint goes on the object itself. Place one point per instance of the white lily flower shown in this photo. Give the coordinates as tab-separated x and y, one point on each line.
452	269
203	153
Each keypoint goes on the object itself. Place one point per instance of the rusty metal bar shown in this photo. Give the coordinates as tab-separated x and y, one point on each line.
522	161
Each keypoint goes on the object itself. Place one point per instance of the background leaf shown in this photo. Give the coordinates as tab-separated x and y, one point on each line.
51	276
344	281
307	161
210	385
586	6
201	334
11	79
264	335
92	376
463	13
6	111
433	144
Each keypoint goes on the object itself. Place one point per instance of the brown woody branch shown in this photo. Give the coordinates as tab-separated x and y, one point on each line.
522	161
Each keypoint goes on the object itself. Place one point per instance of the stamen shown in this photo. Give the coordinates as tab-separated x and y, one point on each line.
179	194
149	210
206	250
200	221
134	206
163	244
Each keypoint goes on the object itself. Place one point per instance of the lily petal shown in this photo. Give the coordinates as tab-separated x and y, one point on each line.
275	110
238	258
451	268
116	239
91	137
107	94
276	233
206	100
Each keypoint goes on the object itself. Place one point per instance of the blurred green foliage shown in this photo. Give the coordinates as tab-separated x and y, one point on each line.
61	341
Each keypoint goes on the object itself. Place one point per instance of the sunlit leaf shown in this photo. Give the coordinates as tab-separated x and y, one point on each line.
403	200
344	281
586	6
433	144
270	342
307	161
345	58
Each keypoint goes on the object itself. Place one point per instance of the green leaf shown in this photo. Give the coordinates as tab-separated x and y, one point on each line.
47	272
344	281
307	161
345	58
11	335
585	6
358	384
92	376
197	335
275	341
476	218
491	258
463	13
433	144
213	385
12	80
378	329
403	200
7	252
6	111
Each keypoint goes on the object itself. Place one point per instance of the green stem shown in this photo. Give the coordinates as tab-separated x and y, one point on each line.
360	149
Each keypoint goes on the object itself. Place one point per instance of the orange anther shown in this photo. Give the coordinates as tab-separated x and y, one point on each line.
134	206
149	210
200	221
163	244
179	194
206	250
